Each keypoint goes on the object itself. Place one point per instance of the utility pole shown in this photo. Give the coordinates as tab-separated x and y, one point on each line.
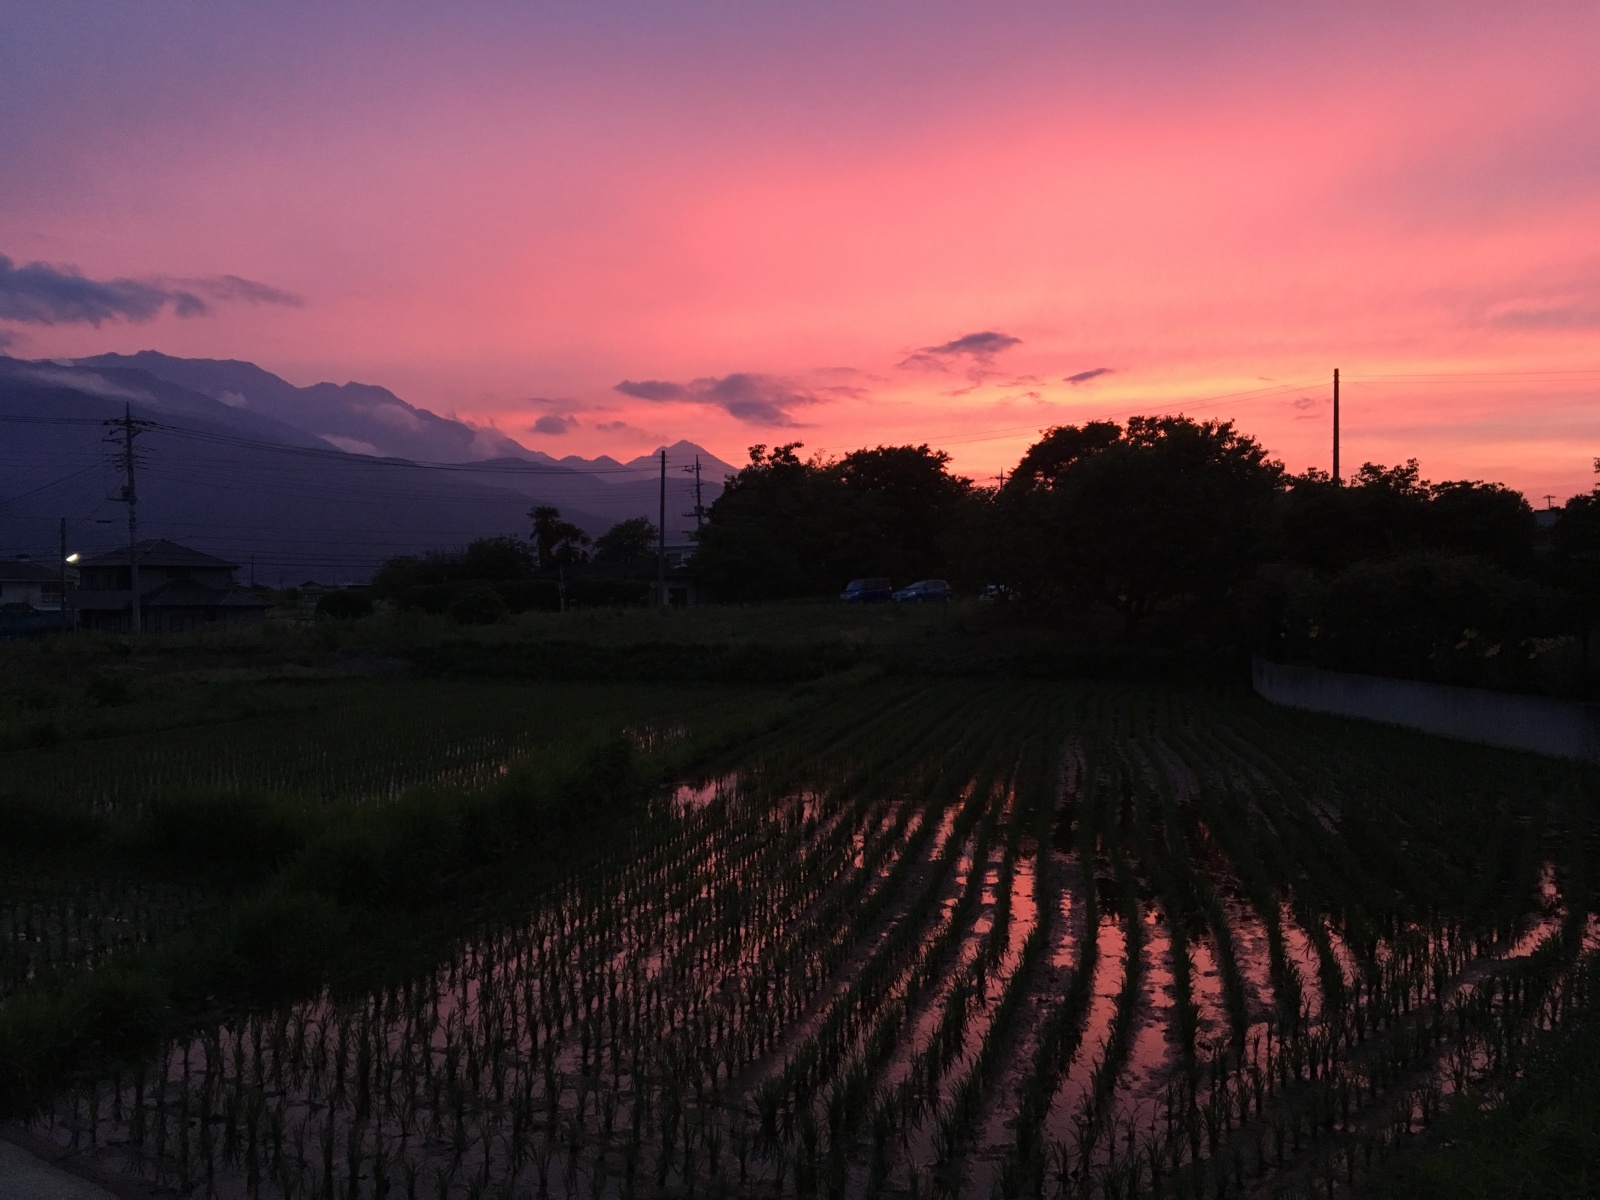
699	508
1336	479
126	428
63	574
661	538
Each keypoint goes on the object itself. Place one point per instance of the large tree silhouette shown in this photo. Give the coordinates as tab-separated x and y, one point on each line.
1167	508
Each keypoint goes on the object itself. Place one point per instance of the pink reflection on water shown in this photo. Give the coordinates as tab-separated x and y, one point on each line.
1303	960
1210	1000
1110	963
1153	1048
1551	911
1252	953
689	797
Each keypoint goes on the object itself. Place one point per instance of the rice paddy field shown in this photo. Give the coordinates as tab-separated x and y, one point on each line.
885	937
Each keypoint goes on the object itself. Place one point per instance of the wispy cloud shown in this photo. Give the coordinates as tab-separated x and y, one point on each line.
975	350
1555	316
1085	376
765	400
40	294
1307	407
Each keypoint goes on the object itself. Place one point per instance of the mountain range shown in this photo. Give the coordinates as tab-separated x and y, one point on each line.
317	482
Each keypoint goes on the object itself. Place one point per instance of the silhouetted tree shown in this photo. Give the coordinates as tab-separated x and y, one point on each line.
1385	511
901	501
786	526
557	543
1169	508
627	541
498	558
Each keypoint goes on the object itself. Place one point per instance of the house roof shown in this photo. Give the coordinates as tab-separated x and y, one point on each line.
158	552
24	570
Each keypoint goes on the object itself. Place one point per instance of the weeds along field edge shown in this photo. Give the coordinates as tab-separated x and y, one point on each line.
914	939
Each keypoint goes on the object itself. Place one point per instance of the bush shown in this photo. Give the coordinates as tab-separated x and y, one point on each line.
346	604
1443	618
479	604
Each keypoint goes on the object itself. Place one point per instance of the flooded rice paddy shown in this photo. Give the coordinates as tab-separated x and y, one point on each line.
1041	941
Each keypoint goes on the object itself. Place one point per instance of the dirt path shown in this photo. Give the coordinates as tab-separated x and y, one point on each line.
25	1177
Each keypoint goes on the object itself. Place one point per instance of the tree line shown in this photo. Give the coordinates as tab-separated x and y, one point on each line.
1174	529
1191	528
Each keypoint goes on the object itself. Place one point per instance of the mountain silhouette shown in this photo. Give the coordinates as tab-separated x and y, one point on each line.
265	480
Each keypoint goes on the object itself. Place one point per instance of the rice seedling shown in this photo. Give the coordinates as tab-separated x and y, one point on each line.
1022	940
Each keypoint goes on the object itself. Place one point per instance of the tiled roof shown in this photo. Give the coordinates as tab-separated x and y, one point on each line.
158	552
23	570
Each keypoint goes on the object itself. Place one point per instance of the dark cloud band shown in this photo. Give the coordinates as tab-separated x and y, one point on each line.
1086	376
40	294
754	399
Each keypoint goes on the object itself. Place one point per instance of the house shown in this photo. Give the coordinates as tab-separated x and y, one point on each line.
30	597
179	589
27	583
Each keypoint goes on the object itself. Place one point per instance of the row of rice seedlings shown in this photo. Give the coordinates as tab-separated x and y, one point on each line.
617	1041
450	1034
1299	1050
997	1026
55	922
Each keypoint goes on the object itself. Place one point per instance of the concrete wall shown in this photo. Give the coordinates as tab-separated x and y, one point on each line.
1559	728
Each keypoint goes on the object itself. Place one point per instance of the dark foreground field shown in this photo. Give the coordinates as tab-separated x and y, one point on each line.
388	914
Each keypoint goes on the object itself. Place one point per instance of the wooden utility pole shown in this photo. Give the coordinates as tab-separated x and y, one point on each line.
661	538
63	574
699	507
1336	477
126	428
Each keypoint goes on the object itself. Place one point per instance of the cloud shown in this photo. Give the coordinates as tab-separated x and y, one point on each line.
976	350
7	339
1306	407
395	417
88	381
1086	376
351	445
1558	316
617	427
553	423
754	399
40	294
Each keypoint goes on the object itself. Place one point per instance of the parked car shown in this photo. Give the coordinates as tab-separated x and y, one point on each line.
867	591
924	591
999	591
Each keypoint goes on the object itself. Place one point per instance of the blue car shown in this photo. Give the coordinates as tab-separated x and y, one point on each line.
867	591
924	591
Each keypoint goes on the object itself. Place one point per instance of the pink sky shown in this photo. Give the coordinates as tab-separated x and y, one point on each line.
505	212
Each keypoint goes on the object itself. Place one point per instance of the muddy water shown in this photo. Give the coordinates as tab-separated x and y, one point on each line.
1210	1000
1303	960
1550	910
1153	1048
1110	964
1349	964
995	1133
1252	952
690	797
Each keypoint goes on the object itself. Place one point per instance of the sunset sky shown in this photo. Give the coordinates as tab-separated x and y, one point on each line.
839	224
